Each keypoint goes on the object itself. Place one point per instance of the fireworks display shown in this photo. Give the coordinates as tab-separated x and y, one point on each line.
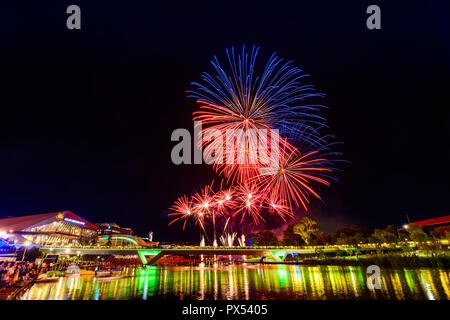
258	105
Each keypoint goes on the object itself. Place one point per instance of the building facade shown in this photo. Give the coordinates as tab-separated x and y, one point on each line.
110	228
63	228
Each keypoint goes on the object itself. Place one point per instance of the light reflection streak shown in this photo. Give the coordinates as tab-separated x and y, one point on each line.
248	281
246	284
216	287
443	277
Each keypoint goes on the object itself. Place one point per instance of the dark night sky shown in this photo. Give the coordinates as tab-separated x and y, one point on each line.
87	115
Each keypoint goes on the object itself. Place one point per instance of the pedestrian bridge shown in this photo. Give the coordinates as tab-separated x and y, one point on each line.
152	255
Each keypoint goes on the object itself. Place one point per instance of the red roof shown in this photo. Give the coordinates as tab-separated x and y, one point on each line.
433	221
21	223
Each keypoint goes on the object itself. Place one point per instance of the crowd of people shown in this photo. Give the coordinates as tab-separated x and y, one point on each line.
16	274
12	274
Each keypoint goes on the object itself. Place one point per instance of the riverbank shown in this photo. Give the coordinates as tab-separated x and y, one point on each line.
394	261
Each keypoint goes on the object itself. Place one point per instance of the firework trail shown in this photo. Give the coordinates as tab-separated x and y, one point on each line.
182	209
241	240
250	200
292	182
238	98
241	98
259	105
227	239
204	206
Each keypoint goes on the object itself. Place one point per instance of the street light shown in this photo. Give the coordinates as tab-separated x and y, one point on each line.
27	243
405	226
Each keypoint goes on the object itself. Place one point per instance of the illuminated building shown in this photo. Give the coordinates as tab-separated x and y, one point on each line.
111	234
106	228
54	228
122	240
6	248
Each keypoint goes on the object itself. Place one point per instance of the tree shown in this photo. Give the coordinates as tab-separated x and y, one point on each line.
290	238
322	238
392	229
305	228
31	254
351	235
382	236
357	239
446	235
343	239
416	233
264	238
254	239
269	238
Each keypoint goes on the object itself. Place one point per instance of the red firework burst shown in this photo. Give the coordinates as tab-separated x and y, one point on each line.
183	209
292	181
249	199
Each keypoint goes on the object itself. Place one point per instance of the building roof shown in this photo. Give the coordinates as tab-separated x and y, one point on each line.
113	227
137	240
112	224
433	221
21	223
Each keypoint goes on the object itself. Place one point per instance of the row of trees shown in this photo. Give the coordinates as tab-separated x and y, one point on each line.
307	232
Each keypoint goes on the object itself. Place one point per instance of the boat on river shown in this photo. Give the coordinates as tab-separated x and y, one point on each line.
105	279
50	276
107	273
87	273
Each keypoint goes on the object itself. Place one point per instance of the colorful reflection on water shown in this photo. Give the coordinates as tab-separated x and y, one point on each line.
249	282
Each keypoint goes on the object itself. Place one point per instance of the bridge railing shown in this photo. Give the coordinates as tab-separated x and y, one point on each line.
201	247
175	247
93	247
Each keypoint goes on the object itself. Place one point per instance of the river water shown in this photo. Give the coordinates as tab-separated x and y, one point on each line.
226	282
